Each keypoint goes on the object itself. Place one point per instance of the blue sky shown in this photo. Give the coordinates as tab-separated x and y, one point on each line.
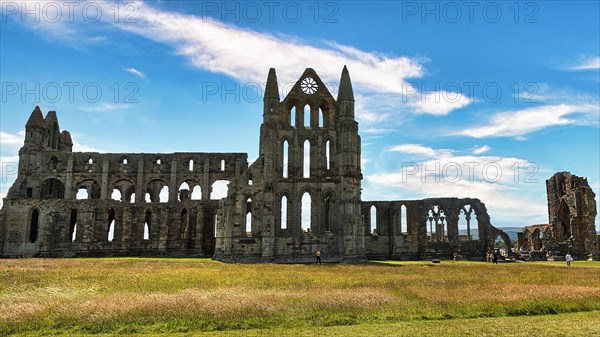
484	89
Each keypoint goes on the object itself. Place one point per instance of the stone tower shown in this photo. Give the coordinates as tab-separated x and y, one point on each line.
303	191
572	212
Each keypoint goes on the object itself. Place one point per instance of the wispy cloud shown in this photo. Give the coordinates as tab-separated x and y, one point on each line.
78	147
417	149
436	102
105	107
481	149
521	122
246	55
135	72
56	21
586	63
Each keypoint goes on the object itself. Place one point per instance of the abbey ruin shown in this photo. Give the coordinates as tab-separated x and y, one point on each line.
571	228
67	204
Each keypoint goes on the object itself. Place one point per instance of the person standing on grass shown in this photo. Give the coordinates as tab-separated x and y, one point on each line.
568	258
318	256
495	257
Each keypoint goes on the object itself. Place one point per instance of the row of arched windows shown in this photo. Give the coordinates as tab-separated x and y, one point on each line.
375	225
302	117
437	224
110	229
306	159
306	213
91	190
53	163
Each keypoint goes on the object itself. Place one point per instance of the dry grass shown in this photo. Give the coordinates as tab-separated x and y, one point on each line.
126	296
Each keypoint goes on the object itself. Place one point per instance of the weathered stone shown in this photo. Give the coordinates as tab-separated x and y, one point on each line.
259	220
571	229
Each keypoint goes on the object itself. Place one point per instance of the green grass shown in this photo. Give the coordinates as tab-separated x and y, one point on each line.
197	296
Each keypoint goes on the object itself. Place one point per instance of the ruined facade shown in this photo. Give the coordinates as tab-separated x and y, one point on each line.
571	229
303	193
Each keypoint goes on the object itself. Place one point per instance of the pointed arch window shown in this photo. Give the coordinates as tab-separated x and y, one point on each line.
306	111
403	220
111	225
293	116
373	218
306	165
321	118
249	217
147	225
328	154
34	226
284	206
285	165
73	226
306	212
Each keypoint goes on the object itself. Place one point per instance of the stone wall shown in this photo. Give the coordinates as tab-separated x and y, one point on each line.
302	194
430	228
571	229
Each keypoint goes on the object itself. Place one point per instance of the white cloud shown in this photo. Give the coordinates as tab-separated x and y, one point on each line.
376	131
77	147
135	72
437	102
246	55
8	139
481	149
10	160
53	20
415	149
586	63
393	108
511	196
9	166
521	122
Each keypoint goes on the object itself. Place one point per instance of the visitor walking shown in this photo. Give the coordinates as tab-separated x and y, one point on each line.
495	258
318	256
568	258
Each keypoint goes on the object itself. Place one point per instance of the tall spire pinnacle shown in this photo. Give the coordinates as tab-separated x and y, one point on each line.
345	92
36	119
271	90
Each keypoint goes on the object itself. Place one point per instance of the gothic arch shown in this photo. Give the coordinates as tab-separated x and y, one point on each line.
34	225
328	203
91	186
155	187
126	187
52	188
436	221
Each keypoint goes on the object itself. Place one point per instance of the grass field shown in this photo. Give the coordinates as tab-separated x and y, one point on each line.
184	297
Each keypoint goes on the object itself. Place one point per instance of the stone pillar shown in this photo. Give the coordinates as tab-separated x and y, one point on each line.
85	227
69	179
206	188
198	238
104	186
173	188
163	232
140	188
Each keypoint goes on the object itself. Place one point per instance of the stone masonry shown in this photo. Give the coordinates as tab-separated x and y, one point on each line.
303	193
571	229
